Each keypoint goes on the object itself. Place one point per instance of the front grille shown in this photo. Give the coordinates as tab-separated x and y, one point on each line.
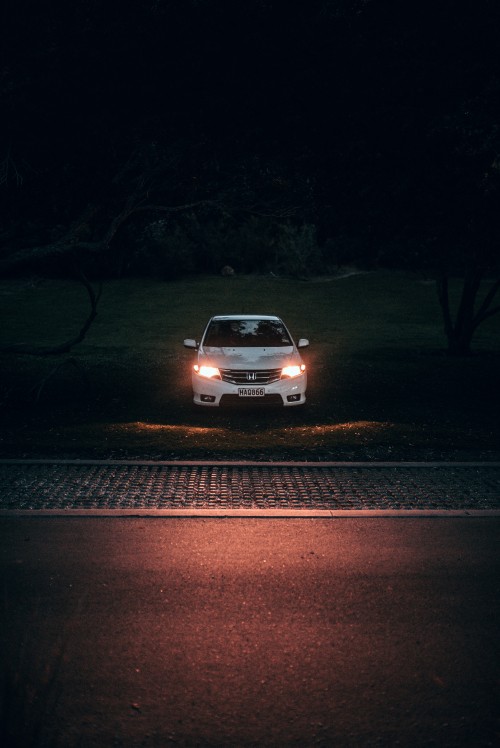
250	376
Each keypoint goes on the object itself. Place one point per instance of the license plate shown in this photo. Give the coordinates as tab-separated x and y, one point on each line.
251	391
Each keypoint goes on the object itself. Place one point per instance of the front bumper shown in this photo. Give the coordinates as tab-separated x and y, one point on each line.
214	392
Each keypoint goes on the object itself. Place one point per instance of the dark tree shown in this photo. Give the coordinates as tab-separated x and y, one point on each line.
375	122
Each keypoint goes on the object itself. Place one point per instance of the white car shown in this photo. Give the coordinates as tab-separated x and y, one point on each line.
248	358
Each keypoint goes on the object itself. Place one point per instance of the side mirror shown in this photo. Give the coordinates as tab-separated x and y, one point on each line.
190	343
303	343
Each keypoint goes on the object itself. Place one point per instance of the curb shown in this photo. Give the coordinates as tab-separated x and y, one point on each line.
249	463
254	513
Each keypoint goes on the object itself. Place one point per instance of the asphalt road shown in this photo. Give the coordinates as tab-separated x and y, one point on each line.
251	632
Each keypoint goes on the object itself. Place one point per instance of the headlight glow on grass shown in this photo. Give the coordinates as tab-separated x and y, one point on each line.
293	371
209	372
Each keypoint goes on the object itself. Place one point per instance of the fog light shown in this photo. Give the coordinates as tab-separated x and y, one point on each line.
293	398
207	398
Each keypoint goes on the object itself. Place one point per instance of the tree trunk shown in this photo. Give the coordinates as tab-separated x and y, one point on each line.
459	343
460	332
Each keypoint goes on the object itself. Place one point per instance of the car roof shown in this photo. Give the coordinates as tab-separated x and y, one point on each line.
245	316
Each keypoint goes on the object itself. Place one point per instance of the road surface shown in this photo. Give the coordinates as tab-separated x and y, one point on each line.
251	632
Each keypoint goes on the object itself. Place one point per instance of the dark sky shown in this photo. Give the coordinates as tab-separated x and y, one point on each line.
355	96
234	69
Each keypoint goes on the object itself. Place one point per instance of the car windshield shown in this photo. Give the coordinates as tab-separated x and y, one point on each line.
246	333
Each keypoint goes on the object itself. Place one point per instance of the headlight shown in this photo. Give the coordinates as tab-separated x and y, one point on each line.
209	372
293	371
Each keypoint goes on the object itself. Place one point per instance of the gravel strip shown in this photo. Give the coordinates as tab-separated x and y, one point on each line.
341	486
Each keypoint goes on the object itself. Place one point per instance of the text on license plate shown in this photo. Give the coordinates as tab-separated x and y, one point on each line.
251	391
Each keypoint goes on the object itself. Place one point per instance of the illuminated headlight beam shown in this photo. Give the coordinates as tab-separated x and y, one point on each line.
293	371
209	372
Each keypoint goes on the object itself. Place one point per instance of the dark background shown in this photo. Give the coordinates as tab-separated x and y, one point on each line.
376	122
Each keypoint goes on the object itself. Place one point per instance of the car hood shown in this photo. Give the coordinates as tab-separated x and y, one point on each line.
242	358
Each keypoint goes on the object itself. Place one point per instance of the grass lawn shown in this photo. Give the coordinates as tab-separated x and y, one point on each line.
380	386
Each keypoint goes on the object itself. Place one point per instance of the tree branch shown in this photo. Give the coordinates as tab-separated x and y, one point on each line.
484	310
176	208
30	350
71	243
